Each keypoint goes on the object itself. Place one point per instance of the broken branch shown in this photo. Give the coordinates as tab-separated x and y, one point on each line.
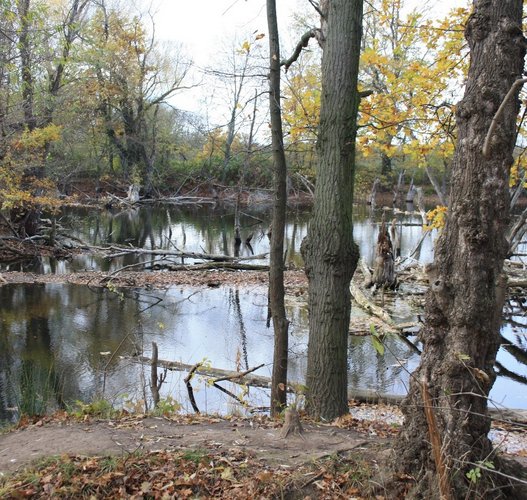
486	145
302	44
190	391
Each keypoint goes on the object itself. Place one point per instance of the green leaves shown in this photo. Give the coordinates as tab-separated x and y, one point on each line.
376	340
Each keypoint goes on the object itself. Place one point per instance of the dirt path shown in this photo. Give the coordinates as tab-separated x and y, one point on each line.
20	447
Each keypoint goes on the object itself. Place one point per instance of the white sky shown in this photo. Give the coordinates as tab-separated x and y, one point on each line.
203	24
205	27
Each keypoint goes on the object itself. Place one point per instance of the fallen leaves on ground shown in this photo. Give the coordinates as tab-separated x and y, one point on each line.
192	473
373	427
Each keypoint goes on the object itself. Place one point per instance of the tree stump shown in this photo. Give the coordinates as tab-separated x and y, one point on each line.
384	265
292	423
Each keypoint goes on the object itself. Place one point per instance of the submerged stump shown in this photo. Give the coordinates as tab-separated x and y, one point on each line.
384	265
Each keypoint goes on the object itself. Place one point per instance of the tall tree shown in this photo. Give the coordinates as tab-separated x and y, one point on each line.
445	436
134	78
276	269
26	70
329	252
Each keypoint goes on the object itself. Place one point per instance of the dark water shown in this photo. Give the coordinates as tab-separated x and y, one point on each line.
55	338
205	230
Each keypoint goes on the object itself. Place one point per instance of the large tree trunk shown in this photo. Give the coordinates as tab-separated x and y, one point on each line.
25	68
447	402
276	268
329	252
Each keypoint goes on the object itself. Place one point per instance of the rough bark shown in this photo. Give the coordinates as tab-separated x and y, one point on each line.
28	89
330	255
463	307
276	264
384	265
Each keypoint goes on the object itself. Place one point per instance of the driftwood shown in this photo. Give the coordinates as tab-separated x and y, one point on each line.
120	251
190	391
228	266
370	307
366	273
242	378
360	395
389	324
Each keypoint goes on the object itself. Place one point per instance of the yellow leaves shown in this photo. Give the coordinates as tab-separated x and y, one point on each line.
17	189
246	47
301	107
37	138
517	172
437	218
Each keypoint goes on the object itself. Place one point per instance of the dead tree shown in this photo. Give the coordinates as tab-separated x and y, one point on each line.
384	265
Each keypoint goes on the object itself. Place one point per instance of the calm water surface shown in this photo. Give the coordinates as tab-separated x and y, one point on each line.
55	338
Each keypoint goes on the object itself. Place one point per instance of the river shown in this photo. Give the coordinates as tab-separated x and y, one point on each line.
61	342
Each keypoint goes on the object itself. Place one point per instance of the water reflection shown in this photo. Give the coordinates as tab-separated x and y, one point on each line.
55	338
61	342
205	230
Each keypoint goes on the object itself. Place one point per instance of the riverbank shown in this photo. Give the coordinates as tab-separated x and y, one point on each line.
208	456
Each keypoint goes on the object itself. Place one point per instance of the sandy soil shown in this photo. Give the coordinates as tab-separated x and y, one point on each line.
20	447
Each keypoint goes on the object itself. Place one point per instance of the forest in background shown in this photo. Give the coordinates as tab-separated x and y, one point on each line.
86	88
87	95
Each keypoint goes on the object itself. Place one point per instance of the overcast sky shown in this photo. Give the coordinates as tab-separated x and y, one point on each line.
203	24
205	27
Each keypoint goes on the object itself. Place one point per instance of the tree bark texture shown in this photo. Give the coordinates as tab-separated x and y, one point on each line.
384	265
330	255
28	89
276	267
461	334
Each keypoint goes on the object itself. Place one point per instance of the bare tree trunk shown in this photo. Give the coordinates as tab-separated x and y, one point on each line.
373	194
330	255
276	269
443	199
28	89
153	375
464	304
398	191
384	265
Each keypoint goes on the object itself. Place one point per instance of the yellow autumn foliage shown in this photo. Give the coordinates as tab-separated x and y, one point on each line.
24	154
413	66
436	217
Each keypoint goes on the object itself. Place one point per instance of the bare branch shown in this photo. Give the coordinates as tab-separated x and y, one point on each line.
486	145
302	44
316	6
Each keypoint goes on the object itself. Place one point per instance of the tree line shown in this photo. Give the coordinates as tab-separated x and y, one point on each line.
86	88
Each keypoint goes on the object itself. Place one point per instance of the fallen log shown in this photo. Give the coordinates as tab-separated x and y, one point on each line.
361	299
227	266
243	378
389	324
120	251
360	395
